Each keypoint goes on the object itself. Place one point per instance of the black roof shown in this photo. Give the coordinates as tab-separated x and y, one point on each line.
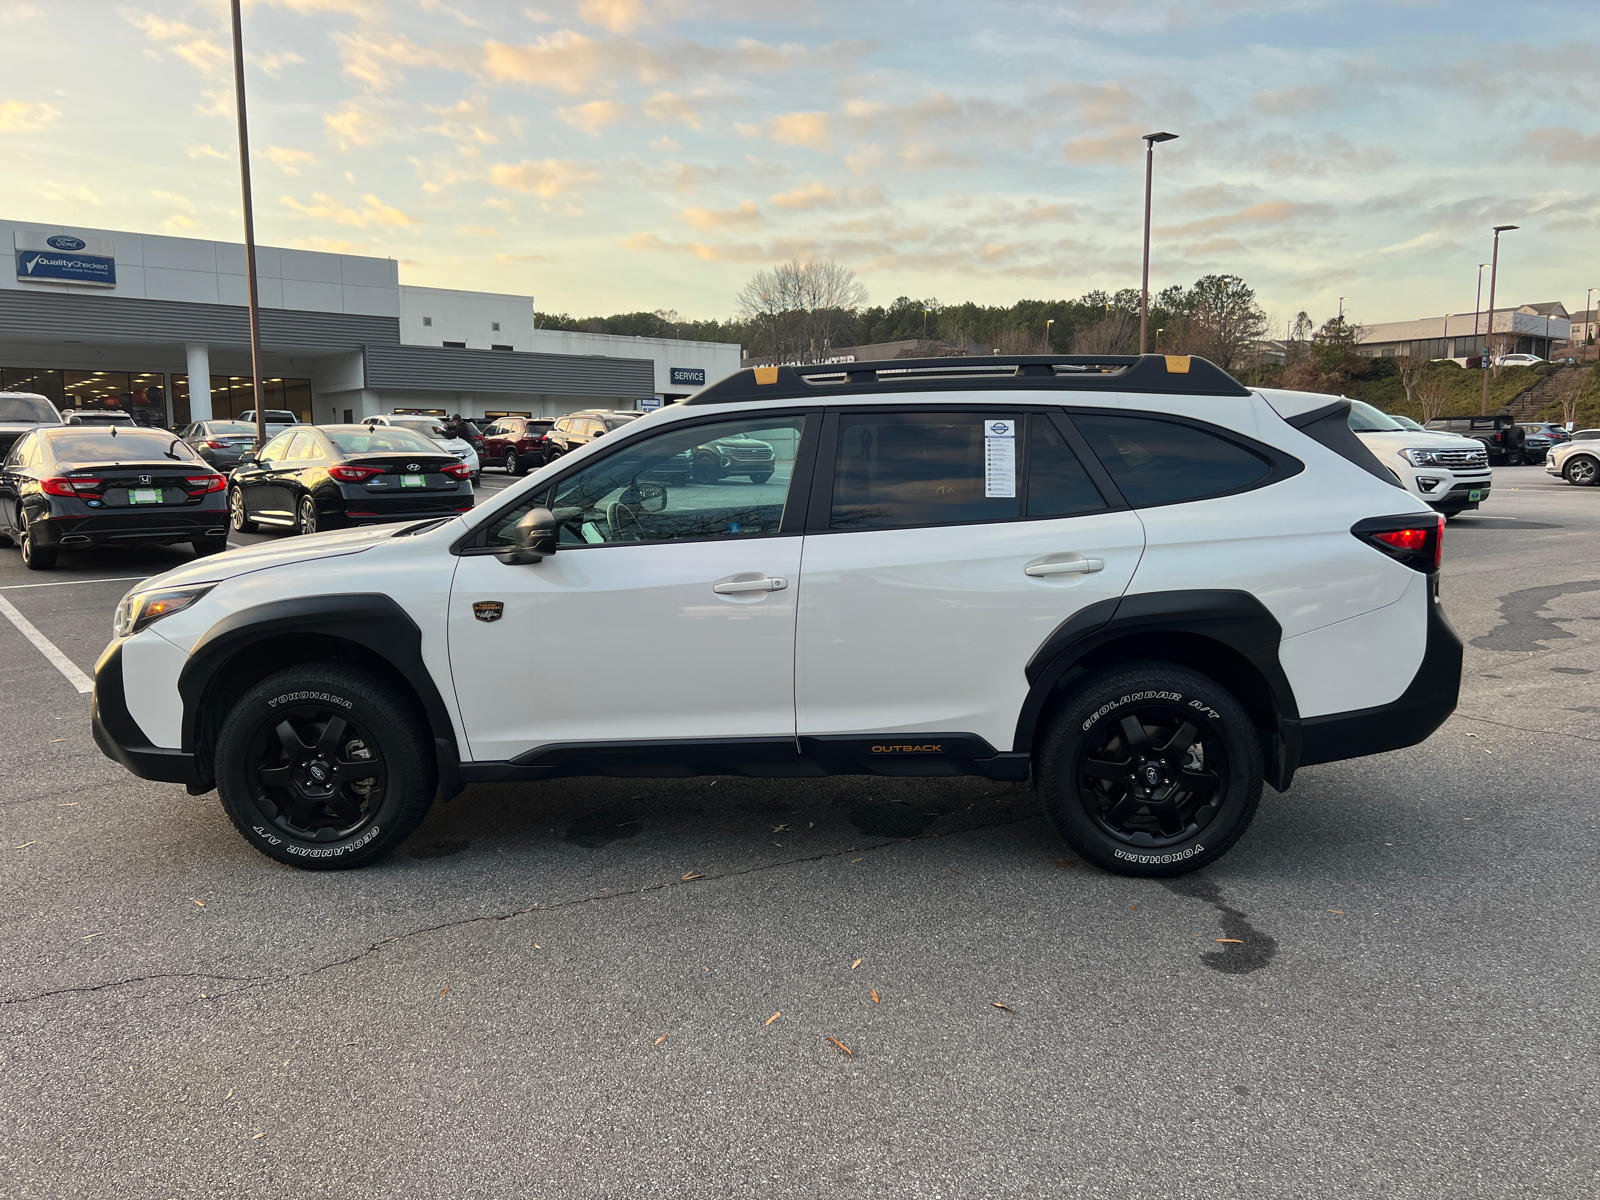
1169	374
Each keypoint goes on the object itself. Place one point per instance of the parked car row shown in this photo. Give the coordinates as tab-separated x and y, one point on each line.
521	444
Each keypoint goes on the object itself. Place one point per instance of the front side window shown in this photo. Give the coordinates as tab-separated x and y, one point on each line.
303	446
899	469
730	479
1153	461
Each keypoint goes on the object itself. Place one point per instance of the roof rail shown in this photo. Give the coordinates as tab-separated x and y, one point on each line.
1171	374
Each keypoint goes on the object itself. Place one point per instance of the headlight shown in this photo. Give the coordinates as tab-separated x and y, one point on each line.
140	610
1425	458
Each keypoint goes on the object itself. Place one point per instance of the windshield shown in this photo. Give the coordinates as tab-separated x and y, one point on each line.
1366	419
27	408
618	420
380	439
426	426
83	445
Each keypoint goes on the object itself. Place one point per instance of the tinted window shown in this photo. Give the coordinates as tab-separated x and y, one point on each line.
381	439
924	469
1366	419
84	444
619	499
1161	462
1057	483
230	428
27	408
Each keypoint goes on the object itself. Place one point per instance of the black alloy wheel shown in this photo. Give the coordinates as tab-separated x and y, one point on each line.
325	766
513	464
238	515
705	470
761	477
1581	470
1149	769
306	516
34	556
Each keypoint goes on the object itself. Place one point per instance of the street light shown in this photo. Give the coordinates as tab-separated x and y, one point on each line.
249	229
1477	305
1150	140
1494	271
1588	319
1048	344
1159	332
1342	299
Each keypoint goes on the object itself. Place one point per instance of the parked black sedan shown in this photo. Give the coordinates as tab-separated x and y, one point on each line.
316	477
77	487
220	443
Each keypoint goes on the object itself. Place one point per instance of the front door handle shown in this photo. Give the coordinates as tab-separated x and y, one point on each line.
1071	566
749	585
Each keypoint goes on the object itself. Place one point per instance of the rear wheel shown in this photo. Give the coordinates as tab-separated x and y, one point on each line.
513	463
1149	769
322	766
306	515
34	556
238	515
1582	470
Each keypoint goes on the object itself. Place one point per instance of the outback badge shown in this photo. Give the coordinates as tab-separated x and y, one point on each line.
488	610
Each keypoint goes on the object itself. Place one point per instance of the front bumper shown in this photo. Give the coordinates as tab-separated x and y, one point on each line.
119	737
1458	496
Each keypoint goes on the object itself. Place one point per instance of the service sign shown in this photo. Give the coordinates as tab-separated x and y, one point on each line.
48	257
689	376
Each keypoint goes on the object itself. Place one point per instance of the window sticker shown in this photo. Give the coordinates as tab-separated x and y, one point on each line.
999	459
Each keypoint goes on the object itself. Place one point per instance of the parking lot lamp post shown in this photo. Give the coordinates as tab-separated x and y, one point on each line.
1588	319
1049	346
1342	299
1150	140
1494	270
1159	332
249	229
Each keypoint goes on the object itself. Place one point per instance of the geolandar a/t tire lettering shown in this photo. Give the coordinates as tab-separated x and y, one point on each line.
1149	769
323	766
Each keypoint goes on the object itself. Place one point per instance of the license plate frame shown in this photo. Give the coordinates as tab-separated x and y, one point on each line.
413	481
1475	495
144	495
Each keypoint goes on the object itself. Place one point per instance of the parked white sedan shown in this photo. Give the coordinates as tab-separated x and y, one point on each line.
433	428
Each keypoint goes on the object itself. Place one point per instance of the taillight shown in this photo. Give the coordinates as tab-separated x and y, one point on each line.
459	470
216	445
1416	541
60	487
199	485
348	474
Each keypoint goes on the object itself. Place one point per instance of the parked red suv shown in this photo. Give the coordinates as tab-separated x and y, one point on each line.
517	443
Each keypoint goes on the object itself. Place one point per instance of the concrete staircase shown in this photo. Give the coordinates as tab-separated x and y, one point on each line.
1548	390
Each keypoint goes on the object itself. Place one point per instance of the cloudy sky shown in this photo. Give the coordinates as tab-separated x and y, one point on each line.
612	155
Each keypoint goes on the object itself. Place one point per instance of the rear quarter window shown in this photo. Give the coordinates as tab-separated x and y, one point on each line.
1155	461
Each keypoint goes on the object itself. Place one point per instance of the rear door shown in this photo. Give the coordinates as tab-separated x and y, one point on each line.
954	542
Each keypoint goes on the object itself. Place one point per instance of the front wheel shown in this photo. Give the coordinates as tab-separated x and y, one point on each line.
1149	769
323	766
1582	471
238	515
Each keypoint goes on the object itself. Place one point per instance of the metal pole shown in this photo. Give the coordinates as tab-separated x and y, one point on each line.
249	228
1144	284
1477	305
1494	270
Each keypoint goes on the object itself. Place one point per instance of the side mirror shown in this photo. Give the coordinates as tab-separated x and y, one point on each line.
646	497
249	456
598	432
533	538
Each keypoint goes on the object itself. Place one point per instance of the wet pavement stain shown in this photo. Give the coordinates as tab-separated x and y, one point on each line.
441	849
891	820
1251	952
1521	627
596	829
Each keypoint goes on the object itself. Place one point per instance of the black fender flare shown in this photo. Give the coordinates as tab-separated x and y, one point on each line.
1235	620
369	620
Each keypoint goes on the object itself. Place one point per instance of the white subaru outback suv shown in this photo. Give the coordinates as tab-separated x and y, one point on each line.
1131	579
1447	472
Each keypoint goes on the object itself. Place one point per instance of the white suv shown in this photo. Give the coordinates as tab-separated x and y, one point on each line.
1445	470
1132	579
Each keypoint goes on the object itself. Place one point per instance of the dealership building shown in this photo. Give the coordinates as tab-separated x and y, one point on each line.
159	326
1518	329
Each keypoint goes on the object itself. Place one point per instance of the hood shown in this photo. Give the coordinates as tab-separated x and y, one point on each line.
1400	439
263	555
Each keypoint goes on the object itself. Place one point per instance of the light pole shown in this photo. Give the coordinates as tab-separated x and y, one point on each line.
1588	319
249	229
1477	305
1150	140
1494	271
1342	299
1446	338
1049	346
1159	332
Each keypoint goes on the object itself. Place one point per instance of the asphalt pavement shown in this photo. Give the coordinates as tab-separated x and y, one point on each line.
736	987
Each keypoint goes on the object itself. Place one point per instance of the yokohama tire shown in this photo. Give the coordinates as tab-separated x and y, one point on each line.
380	737
1092	746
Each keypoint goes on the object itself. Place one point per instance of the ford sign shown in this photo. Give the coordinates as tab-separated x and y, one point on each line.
63	241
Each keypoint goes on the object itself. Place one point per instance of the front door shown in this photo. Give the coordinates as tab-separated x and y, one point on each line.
668	612
260	484
956	543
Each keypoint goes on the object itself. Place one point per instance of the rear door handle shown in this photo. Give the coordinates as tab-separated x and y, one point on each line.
1072	566
749	585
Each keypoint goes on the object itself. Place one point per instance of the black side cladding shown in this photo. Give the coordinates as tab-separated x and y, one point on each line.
1329	426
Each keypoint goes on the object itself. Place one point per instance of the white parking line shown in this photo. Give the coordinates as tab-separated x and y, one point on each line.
47	648
17	587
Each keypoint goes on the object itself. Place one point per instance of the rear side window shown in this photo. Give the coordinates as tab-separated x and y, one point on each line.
900	469
1057	483
1163	462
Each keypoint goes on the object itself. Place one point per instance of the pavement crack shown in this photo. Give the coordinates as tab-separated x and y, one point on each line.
116	983
1524	728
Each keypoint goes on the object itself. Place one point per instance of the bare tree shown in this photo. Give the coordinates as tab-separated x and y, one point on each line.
1118	333
797	309
1012	340
1412	368
1567	386
1431	391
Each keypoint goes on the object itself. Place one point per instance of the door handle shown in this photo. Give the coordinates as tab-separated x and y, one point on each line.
749	585
1073	566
